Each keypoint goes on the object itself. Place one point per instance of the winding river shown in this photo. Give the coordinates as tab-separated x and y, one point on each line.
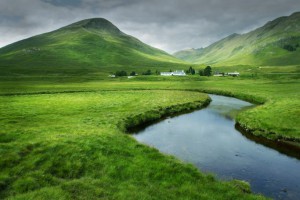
208	139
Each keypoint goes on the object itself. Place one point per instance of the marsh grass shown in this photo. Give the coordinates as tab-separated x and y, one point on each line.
73	146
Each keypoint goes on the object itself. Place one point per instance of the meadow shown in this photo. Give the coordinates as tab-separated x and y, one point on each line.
63	137
276	89
73	146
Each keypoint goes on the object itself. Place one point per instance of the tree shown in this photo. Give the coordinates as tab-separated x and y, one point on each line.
190	71
121	73
132	73
207	71
148	72
157	72
201	72
289	47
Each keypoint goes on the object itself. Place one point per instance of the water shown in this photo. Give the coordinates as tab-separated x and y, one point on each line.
208	139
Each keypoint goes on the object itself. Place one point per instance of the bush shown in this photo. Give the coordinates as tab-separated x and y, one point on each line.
289	47
206	72
148	72
121	73
190	71
132	74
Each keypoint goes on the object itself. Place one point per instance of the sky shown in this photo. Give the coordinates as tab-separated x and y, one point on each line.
170	25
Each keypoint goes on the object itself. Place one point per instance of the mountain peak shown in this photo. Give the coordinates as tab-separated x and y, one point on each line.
99	24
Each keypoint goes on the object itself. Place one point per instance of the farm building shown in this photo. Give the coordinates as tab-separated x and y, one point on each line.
175	73
233	73
221	74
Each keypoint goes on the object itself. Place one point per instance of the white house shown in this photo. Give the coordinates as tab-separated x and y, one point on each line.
175	73
219	75
233	73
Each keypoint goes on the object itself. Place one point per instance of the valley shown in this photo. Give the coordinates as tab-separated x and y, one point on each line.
65	122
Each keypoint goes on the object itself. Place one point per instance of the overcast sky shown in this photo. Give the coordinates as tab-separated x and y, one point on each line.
170	25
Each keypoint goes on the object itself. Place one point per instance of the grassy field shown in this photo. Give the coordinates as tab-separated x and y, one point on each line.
277	88
63	137
73	146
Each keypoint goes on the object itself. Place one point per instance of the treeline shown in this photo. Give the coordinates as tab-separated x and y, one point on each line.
124	73
133	73
121	73
207	71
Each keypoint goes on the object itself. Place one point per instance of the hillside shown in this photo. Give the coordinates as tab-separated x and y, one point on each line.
92	46
188	54
275	43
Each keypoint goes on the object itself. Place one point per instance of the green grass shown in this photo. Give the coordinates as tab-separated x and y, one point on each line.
73	146
262	46
276	87
82	50
63	137
63	120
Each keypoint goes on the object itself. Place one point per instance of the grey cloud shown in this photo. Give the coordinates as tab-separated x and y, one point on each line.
71	3
170	24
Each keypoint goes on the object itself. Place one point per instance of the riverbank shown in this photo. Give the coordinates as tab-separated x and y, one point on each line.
141	120
278	97
208	139
276	117
71	146
286	147
271	119
277	135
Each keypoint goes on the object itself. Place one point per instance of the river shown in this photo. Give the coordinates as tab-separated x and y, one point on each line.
208	139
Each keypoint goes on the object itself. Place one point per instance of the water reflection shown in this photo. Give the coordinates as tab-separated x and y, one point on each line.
208	139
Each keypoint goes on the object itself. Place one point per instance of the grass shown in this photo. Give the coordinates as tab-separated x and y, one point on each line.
64	137
263	46
79	50
63	120
278	115
73	146
275	87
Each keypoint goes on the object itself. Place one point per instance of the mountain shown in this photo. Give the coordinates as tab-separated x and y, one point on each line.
90	46
275	43
188	54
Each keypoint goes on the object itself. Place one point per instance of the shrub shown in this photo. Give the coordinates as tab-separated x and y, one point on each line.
121	73
289	47
148	72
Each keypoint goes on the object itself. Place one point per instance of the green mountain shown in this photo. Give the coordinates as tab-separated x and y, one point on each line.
275	43
92	46
188	54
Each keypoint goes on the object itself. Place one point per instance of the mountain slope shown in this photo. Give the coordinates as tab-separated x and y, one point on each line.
276	43
89	46
188	54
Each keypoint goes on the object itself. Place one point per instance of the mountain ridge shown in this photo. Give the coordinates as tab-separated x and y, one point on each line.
100	24
275	43
88	46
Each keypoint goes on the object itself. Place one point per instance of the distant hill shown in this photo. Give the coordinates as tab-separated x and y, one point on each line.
188	54
275	43
88	46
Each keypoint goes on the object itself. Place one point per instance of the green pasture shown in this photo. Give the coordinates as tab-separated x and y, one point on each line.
74	146
63	137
